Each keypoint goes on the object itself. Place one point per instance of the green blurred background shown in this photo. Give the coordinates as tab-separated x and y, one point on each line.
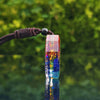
22	61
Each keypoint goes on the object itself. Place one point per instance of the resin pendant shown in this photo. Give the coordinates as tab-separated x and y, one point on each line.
52	56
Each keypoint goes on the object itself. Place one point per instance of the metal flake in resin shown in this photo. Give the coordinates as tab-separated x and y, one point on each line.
52	56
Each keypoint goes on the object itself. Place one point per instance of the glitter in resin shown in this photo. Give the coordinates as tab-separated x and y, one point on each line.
52	56
52	89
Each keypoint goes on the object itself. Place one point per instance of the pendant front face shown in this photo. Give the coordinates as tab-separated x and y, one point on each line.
52	56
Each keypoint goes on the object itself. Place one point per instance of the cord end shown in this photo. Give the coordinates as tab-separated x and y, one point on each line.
45	31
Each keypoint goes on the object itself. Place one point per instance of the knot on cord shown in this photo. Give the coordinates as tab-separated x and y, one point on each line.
28	32
23	33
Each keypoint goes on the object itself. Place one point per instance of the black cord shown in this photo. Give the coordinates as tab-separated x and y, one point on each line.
23	33
7	38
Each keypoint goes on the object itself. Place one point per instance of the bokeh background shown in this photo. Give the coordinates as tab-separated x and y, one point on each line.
22	61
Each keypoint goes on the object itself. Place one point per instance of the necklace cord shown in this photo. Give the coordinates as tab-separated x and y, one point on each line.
24	33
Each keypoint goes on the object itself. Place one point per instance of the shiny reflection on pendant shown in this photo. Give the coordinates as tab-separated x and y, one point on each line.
52	89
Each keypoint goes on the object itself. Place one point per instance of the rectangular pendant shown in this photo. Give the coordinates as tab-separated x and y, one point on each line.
52	56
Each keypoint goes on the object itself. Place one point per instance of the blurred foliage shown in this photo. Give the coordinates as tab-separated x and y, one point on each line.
22	61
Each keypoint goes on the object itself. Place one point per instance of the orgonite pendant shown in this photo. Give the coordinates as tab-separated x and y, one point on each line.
52	56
